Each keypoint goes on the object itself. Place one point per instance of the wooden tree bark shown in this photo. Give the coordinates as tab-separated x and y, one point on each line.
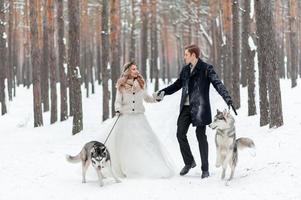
213	18
61	60
84	30
2	58
74	36
98	44
52	61
245	42
10	66
269	60
144	31
15	49
115	47
292	5
248	59
165	45
236	53
45	62
279	18
154	43
227	53
263	98
132	49
105	60
299	36
26	64
36	64
299	33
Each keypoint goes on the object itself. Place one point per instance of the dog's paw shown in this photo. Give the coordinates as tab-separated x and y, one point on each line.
118	181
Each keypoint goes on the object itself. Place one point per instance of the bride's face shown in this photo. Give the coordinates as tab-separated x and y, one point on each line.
134	71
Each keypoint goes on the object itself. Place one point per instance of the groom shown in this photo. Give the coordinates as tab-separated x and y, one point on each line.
195	79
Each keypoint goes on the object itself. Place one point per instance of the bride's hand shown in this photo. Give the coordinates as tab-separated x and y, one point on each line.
159	95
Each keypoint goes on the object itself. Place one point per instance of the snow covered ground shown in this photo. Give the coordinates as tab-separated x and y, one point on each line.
33	165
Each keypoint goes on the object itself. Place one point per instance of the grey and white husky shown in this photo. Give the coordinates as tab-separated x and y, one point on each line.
98	154
226	142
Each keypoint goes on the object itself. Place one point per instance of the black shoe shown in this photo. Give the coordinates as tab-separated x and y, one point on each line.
186	168
205	174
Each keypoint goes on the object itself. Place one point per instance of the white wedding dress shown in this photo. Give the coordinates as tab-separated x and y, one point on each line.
136	151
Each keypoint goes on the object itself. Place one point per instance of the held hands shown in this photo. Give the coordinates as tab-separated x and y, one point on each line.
159	95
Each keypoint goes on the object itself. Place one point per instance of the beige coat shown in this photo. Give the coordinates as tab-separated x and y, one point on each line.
130	100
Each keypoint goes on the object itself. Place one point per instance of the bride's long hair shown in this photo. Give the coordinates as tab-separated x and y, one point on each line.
125	75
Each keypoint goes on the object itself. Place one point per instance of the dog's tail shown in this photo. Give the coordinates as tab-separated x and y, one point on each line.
244	143
73	159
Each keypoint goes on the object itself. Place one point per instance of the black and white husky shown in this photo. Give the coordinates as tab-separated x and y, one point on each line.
98	154
226	142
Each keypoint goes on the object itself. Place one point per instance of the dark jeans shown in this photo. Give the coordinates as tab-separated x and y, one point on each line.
183	123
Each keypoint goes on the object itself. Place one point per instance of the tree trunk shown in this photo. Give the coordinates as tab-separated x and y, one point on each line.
45	62
245	42
132	49
248	59
269	60
2	58
115	47
293	41
36	64
227	53
105	60
27	65
74	36
61	60
15	49
154	43
144	31
51	61
98	45
166	43
10	51
236	53
279	18
84	31
213	6
263	99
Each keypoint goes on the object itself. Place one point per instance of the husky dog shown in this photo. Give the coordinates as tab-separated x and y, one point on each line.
226	142
98	154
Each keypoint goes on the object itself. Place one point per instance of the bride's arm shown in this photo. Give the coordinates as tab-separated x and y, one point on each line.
118	101
148	98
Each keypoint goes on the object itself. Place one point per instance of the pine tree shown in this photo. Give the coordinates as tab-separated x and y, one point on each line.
36	64
74	36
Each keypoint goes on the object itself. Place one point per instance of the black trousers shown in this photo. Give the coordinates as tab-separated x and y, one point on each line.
183	123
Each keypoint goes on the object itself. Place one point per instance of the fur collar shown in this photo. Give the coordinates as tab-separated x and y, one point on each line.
132	85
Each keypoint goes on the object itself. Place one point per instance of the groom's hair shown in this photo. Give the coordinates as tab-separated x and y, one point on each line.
193	49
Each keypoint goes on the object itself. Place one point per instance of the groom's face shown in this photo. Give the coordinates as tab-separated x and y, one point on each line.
188	57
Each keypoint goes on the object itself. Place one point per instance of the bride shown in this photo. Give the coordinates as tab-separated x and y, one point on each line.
135	149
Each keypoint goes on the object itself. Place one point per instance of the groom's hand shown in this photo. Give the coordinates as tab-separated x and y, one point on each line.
159	95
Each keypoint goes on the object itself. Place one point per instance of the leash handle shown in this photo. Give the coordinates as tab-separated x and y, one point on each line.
111	129
234	110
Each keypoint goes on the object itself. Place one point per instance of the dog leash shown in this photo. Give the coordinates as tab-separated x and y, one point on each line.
234	110
111	129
